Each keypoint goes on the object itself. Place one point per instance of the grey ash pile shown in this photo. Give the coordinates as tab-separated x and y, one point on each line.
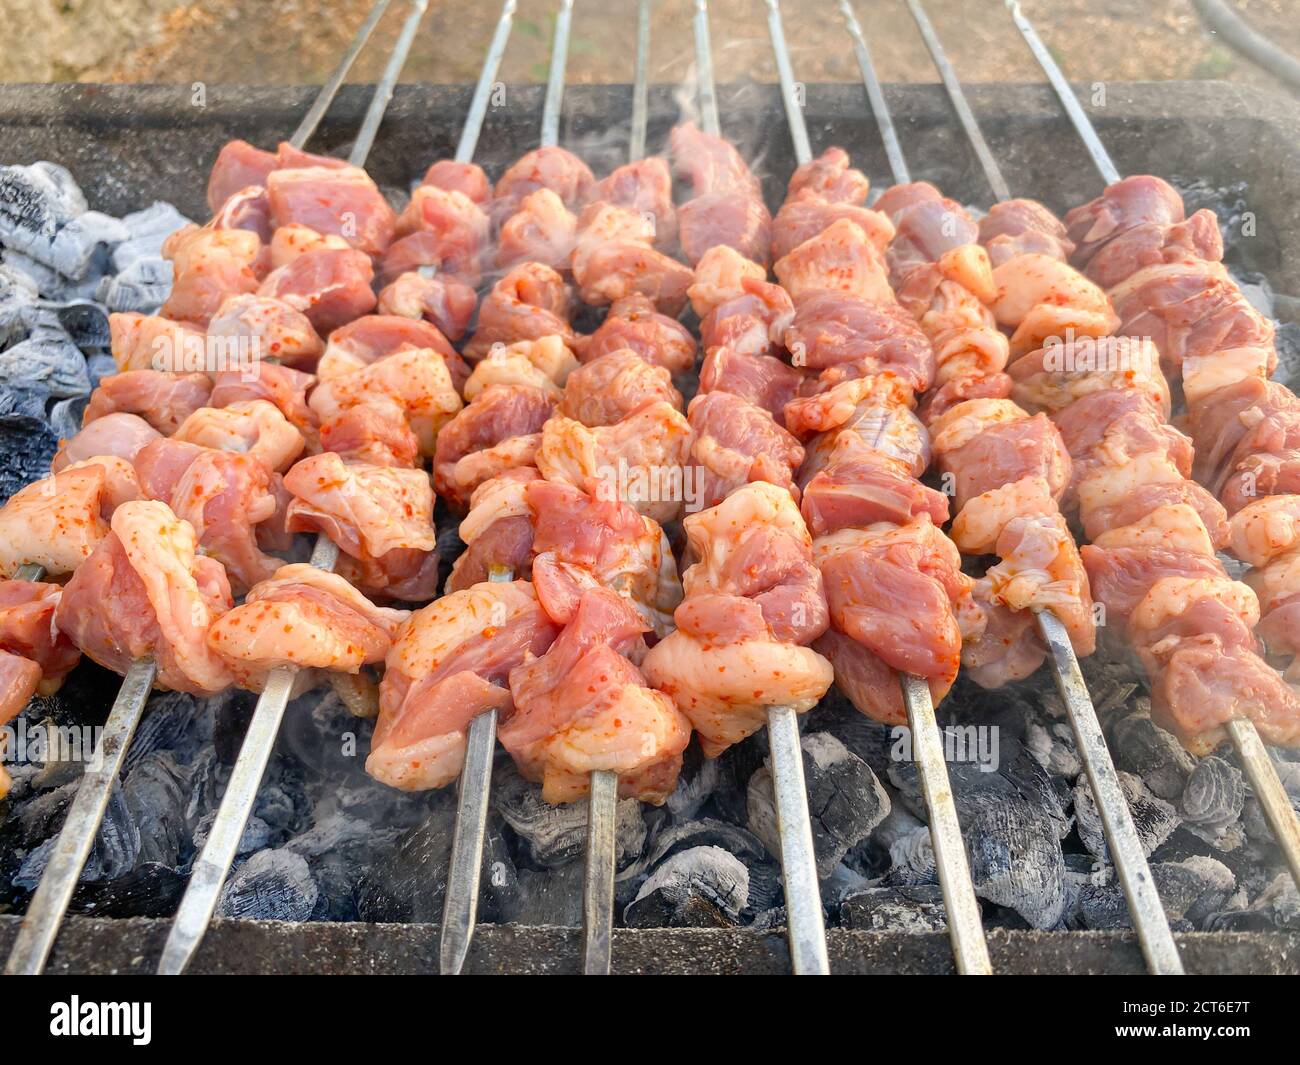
62	267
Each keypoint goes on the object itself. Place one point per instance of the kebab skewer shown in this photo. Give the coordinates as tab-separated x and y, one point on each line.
870	446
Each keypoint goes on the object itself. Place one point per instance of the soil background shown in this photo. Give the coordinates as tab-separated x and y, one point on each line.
298	41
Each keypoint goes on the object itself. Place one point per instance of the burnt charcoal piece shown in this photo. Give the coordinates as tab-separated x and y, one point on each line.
174	722
1154	819
338	849
26	442
869	740
81	247
1144	748
699	778
1275	908
273	885
913	910
845	801
545	897
114	854
99	367
143	286
555	835
65	416
146	231
257	834
1212	802
409	881
704	887
85	323
1012	822
1052	745
912	860
35	203
155	794
17	296
1190	891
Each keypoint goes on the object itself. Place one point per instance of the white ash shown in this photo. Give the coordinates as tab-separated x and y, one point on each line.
697	888
1153	817
915	910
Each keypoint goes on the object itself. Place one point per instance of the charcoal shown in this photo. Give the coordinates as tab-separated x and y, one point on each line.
409	881
546	897
85	323
845	799
1142	747
1212	802
49	361
65	416
555	835
912	859
1012	821
736	765
142	287
869	740
17	295
1190	892
27	443
146	231
704	887
35	203
338	849
257	834
699	777
81	247
1052	745
1154	819
113	855
155	793
99	367
764	871
1286	339
273	885
1275	908
843	882
174	722
914	910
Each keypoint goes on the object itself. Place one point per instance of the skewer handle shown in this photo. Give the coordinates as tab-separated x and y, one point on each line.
45	912
468	142
1272	797
988	163
785	73
330	89
707	91
1149	920
554	102
1078	116
387	82
598	881
876	97
965	926
804	918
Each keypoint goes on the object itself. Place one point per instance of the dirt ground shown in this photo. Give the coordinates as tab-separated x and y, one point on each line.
298	41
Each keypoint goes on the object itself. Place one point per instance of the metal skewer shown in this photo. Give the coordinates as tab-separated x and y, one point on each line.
460	906
964	924
49	903
876	96
1252	752
199	903
602	797
805	921
1149	919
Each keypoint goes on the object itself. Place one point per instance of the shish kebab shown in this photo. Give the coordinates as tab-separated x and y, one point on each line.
1010	469
1132	240
838	475
199	902
49	903
726	221
524	458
